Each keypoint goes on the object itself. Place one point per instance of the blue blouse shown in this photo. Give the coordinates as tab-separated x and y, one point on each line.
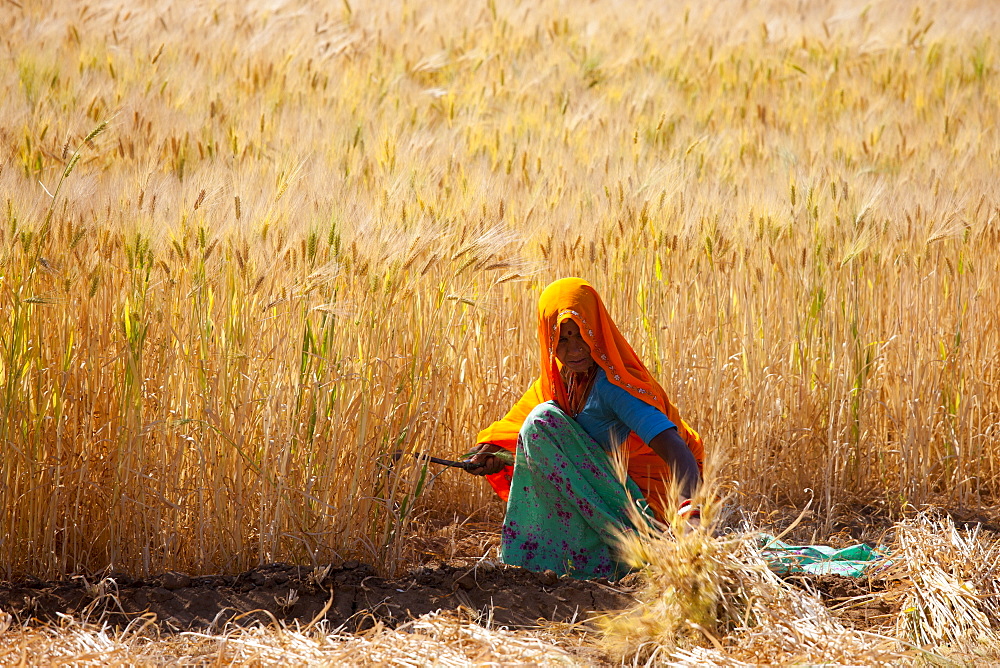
611	413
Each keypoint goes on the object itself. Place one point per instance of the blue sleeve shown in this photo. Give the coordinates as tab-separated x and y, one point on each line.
645	420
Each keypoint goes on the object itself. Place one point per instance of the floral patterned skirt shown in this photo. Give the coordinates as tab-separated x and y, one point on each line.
567	508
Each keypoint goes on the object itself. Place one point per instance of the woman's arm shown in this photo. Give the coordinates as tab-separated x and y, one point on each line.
672	449
644	420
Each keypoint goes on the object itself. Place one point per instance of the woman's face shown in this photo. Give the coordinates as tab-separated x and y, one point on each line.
572	350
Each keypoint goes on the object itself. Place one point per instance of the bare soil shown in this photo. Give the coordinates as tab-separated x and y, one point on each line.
353	597
454	575
348	595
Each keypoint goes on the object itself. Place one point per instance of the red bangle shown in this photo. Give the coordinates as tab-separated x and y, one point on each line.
689	511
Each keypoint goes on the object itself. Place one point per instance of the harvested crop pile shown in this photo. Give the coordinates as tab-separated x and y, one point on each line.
713	600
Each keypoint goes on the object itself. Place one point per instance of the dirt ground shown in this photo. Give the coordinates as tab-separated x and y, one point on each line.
352	595
348	594
459	571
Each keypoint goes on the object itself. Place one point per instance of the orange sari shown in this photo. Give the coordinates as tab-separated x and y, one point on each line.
575	299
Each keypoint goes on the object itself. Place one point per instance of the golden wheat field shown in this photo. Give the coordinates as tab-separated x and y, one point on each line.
248	250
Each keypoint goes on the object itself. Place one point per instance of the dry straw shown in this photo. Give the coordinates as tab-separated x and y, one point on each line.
438	639
710	599
953	597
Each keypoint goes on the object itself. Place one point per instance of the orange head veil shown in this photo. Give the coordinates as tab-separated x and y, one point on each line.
575	299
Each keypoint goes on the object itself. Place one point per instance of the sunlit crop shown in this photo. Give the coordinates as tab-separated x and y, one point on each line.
250	248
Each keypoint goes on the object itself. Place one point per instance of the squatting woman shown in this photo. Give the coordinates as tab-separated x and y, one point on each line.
566	507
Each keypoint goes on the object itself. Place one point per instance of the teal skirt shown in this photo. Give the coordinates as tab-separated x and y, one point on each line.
567	509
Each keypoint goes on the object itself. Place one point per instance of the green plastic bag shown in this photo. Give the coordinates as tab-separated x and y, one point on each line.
854	561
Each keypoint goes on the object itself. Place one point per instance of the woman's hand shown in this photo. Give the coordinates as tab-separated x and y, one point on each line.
485	462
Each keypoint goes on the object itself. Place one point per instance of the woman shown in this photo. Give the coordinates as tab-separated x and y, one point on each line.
565	505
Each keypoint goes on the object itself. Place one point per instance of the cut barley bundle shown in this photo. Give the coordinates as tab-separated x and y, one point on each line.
713	600
953	593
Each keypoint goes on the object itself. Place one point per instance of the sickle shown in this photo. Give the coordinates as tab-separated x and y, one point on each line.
465	464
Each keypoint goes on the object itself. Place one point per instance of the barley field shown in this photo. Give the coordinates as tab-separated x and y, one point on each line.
248	250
